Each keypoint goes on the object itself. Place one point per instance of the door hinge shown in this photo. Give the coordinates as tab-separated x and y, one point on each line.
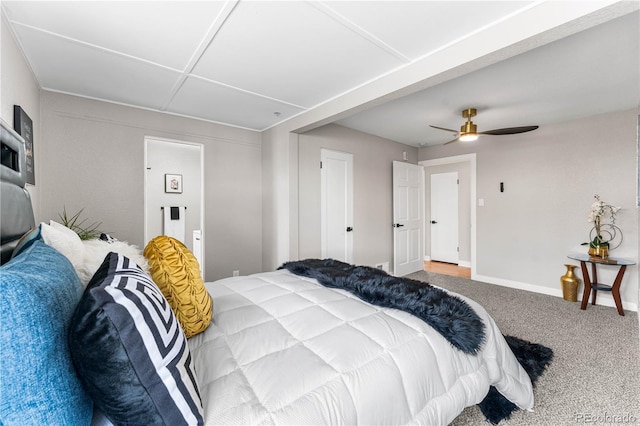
321	164
458	181
457	249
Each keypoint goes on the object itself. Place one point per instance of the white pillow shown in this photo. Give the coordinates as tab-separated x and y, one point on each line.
87	256
60	227
96	250
65	241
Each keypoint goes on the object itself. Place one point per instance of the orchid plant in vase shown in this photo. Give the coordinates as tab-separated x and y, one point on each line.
603	231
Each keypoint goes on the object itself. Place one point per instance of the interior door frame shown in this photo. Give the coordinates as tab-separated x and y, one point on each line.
147	139
471	159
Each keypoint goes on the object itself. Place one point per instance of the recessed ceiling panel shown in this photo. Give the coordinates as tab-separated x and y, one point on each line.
291	51
210	101
416	28
164	32
63	65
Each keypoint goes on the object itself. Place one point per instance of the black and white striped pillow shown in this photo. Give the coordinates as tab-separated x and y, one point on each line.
129	350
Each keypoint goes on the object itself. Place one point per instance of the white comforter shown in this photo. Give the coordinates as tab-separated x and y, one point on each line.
283	349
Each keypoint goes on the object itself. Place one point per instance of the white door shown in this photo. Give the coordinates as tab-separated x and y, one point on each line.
336	176
444	217
408	218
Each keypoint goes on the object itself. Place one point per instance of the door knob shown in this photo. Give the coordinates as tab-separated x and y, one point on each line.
434	222
398	225
349	229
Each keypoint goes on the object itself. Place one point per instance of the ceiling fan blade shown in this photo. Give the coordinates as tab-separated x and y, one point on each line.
509	130
452	140
442	128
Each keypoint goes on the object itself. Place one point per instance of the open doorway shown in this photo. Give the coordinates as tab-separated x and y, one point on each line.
174	193
465	165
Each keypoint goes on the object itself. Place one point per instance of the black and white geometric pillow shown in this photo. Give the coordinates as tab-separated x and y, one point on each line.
130	351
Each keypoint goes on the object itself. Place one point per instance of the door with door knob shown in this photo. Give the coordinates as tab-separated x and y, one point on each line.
408	217
336	222
444	217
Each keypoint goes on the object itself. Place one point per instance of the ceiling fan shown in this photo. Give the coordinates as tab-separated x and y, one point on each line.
469	131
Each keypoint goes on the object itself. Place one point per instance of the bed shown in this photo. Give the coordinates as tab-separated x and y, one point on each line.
295	352
280	348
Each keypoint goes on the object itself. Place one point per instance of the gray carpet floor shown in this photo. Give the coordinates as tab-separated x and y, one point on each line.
594	377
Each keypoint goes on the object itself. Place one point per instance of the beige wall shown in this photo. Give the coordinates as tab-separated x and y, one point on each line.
279	186
372	189
18	86
551	175
92	157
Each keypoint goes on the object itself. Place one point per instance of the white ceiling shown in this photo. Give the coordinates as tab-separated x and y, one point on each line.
254	64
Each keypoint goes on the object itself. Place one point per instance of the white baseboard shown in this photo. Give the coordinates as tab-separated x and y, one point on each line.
604	298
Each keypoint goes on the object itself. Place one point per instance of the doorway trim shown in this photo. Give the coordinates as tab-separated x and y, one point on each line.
465	158
148	138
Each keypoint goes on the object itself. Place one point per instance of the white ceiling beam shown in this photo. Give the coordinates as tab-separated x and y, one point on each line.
224	14
326	9
544	22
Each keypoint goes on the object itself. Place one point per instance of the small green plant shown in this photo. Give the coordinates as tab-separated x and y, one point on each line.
85	232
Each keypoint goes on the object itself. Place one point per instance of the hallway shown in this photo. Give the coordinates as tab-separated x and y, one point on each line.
447	269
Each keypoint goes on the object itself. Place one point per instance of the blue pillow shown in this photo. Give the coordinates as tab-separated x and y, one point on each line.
39	385
130	352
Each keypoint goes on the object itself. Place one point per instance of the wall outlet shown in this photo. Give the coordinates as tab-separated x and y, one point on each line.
384	266
236	273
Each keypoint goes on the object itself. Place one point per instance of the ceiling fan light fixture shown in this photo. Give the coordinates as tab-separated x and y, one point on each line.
468	137
468	131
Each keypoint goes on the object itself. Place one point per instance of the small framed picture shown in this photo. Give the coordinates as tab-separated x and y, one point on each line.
173	183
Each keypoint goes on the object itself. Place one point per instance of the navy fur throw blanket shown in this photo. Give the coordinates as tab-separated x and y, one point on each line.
534	358
449	315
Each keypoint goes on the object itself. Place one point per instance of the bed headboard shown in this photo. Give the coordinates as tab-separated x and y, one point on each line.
16	212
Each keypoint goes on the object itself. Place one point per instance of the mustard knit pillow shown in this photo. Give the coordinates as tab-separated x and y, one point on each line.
176	272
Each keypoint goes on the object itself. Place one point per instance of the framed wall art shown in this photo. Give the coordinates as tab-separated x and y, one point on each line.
173	183
23	125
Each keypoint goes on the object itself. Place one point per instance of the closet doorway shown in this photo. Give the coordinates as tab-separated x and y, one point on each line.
174	177
466	166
